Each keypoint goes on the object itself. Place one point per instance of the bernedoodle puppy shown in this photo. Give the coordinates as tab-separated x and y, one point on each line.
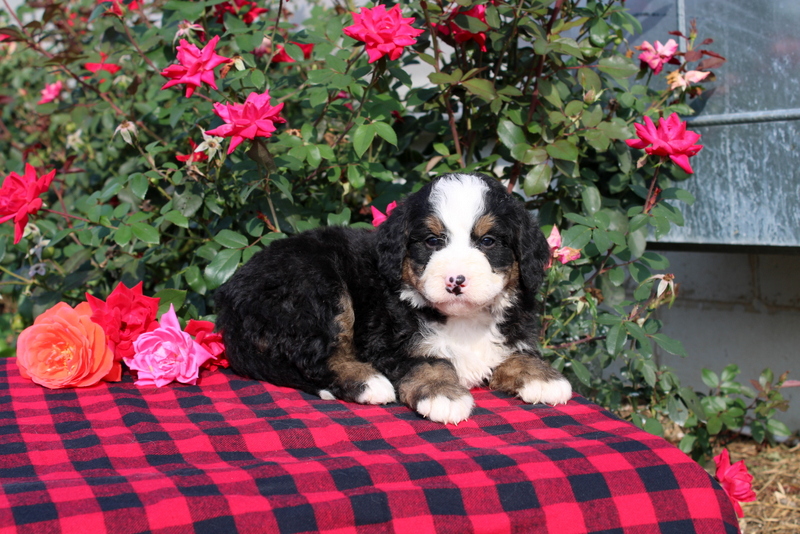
440	299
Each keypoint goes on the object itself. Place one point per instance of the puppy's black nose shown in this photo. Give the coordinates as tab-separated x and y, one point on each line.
455	284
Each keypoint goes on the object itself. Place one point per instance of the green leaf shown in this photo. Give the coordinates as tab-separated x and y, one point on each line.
231	239
188	10
362	138
582	372
123	235
653	427
576	237
615	129
710	378
257	79
615	339
678	412
222	267
481	88
339	219
441	78
678	194
589	80
195	280
139	184
550	93
714	425
563	149
510	134
177	218
673	346
174	297
637	333
537	181
386	132
777	428
145	232
592	201
618	67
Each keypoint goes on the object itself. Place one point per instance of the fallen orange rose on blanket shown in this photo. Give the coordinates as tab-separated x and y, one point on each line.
64	348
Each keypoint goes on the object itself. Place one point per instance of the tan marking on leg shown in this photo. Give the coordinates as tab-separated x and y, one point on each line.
430	379
519	369
343	361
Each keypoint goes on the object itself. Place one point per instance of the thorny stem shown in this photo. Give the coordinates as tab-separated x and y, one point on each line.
446	95
570	344
540	63
350	63
15	275
136	46
272	37
647	203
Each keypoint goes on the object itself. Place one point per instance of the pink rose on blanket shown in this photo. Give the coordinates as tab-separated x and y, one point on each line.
166	354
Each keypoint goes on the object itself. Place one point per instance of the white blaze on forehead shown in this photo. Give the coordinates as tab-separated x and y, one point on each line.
458	201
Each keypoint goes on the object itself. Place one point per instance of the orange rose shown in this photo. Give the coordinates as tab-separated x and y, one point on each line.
64	348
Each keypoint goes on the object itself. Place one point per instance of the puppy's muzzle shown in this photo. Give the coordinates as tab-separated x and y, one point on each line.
455	284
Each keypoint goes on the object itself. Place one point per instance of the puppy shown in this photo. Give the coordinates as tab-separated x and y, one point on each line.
440	299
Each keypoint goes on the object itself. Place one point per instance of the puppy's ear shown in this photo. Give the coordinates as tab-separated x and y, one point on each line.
392	245
531	249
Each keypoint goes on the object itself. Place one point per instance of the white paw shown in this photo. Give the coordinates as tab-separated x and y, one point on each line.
444	410
552	392
378	390
324	394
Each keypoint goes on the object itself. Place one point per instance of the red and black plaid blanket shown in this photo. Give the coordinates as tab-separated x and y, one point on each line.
235	455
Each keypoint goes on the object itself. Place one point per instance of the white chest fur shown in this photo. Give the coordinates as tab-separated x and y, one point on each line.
473	344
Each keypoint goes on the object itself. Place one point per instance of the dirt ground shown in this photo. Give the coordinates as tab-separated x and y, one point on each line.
776	481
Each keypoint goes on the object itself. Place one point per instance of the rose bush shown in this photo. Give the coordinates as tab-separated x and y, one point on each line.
541	94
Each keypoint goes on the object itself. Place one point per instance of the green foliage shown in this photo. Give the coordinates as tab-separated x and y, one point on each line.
547	107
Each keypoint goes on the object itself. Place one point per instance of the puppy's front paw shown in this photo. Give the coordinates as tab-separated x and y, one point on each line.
377	390
443	409
555	391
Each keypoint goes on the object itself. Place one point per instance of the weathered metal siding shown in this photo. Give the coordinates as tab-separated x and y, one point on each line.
747	178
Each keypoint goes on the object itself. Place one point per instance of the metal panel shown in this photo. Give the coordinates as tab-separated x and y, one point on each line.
747	181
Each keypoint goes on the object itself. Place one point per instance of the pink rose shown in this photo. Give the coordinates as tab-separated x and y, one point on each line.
195	66
167	354
656	56
562	254
255	118
385	33
735	480
378	217
671	138
50	92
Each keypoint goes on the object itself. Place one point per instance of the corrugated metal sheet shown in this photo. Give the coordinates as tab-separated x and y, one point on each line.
747	178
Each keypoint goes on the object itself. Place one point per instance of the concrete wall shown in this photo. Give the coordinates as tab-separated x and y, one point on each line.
736	307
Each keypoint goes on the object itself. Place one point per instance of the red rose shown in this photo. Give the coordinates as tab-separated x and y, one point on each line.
735	480
282	57
124	315
19	197
203	332
459	34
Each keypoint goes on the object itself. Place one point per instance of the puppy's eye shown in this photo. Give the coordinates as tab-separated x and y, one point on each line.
434	242
487	241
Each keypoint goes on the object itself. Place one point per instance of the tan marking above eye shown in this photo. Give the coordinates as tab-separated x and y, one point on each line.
483	225
435	225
